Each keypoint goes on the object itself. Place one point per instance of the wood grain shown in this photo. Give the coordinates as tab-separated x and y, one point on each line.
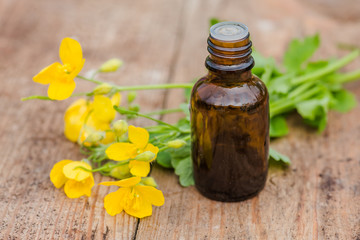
165	41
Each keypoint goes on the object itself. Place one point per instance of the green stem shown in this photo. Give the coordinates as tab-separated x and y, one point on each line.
124	111
141	87
47	98
104	167
164	111
37	97
290	104
348	77
326	70
153	87
90	79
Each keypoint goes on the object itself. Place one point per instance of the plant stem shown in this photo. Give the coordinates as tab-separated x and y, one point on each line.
47	98
89	79
141	87
328	69
289	104
36	97
164	111
124	111
348	77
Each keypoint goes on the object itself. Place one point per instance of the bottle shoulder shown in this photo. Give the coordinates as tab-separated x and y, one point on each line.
248	94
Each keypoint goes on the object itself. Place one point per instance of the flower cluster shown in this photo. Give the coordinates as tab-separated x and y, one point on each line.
115	149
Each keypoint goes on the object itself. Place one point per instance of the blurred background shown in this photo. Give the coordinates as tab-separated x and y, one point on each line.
159	41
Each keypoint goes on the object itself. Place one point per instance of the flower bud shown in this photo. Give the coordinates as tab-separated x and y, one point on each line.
131	96
111	65
145	156
121	172
178	143
149	181
102	89
94	137
120	127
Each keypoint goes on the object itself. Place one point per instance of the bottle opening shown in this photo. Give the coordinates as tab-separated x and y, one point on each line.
229	46
229	31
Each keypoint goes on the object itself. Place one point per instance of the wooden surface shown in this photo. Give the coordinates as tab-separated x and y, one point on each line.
161	41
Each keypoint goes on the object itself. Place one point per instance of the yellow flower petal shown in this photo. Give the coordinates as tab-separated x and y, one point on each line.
151	194
116	99
48	74
109	137
70	52
121	151
152	149
72	172
128	182
139	168
61	89
75	189
138	206
139	136
114	202
57	176
74	119
103	109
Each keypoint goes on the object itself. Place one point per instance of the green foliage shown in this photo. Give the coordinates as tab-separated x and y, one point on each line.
299	52
214	21
310	88
343	101
185	172
276	156
278	127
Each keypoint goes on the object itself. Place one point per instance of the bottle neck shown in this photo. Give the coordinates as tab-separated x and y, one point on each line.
229	58
229	76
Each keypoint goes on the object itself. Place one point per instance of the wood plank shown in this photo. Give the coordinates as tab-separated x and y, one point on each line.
165	41
316	197
32	139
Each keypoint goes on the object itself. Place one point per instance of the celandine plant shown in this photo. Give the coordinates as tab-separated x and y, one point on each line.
113	148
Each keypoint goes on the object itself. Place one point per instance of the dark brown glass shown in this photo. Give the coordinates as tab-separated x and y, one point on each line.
230	124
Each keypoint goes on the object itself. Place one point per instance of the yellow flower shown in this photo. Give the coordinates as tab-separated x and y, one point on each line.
99	114
134	199
77	181
139	138
61	76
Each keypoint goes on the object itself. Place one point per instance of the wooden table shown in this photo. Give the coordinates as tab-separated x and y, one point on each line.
164	41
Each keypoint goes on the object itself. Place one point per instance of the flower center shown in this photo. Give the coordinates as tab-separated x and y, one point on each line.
67	68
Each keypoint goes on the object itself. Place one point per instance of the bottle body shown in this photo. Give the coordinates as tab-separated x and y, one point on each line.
230	138
230	128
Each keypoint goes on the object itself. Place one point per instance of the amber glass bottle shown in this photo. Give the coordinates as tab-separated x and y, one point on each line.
229	119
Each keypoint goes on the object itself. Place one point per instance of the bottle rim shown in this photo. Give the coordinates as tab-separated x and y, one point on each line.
229	31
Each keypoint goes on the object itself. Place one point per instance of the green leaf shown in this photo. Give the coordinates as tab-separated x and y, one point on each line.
185	108
312	66
261	63
184	123
164	159
343	101
280	85
299	52
265	77
278	127
214	21
185	172
314	111
274	155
